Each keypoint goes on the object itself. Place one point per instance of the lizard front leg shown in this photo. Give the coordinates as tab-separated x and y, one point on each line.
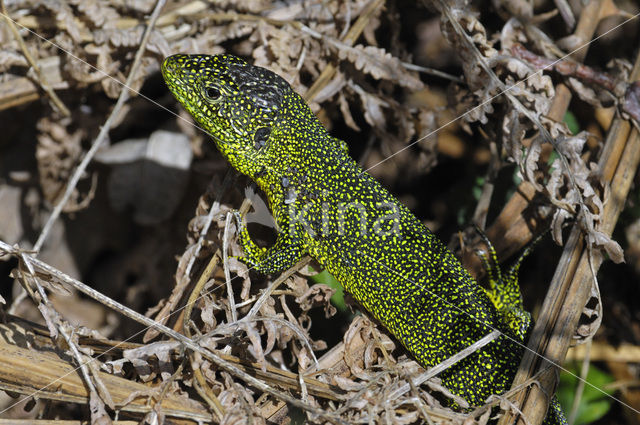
285	253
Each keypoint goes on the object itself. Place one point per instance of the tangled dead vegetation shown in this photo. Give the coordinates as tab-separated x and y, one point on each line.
124	168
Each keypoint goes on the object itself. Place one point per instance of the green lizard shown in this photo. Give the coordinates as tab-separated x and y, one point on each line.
325	205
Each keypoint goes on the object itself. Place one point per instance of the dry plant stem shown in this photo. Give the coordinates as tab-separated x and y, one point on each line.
508	395
39	373
304	393
419	403
203	388
187	342
27	54
228	328
584	370
205	229
195	294
571	285
434	72
512	230
566	13
199	8
603	351
445	364
338	45
201	385
287	379
482	207
626	94
570	68
233	315
124	96
362	393
352	35
54	321
272	374
166	385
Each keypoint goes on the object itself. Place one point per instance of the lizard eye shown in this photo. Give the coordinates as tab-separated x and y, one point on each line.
212	92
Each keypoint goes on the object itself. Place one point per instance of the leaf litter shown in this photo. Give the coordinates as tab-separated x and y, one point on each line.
367	92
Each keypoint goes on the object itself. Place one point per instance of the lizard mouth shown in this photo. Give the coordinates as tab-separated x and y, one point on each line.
173	76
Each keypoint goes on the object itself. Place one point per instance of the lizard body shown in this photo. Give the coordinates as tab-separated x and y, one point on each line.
325	205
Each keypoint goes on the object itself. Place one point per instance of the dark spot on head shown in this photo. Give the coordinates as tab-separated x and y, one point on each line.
260	137
263	87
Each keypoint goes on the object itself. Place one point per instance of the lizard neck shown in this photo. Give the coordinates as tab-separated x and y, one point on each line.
293	161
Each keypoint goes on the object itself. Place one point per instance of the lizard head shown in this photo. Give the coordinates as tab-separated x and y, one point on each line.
240	105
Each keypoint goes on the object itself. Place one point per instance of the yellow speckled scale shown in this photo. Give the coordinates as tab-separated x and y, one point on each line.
325	205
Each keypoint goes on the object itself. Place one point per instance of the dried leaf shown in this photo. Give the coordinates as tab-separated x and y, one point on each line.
373	108
346	113
317	295
131	38
336	84
380	64
9	59
98	12
474	75
144	6
57	153
64	17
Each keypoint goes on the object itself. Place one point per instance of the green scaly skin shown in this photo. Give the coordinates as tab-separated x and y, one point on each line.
326	206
